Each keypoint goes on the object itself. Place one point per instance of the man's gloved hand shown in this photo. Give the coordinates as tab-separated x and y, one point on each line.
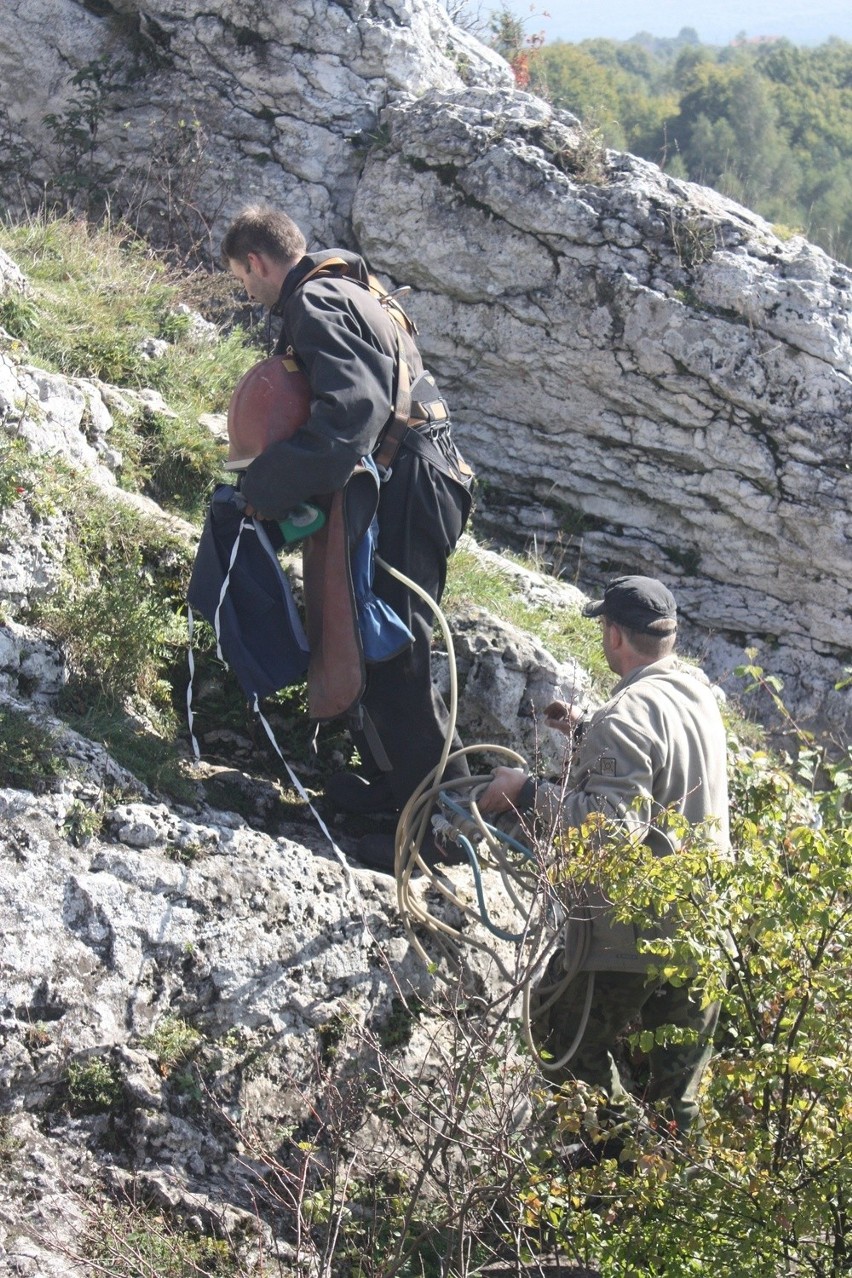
243	506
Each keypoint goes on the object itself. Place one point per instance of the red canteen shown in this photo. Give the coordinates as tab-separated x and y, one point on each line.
271	401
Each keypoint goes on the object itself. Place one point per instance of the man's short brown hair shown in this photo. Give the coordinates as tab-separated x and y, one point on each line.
262	230
656	642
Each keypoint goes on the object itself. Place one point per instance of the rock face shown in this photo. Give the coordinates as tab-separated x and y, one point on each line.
189	99
640	366
644	374
258	951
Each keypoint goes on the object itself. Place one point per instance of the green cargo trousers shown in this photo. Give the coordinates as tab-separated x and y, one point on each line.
619	999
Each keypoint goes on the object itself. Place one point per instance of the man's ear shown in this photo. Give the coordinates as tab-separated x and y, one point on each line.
257	264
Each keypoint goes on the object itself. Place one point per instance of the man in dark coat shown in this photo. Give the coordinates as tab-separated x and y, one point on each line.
349	348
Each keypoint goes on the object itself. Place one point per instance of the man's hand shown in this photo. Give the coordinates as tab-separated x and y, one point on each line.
502	792
246	510
562	717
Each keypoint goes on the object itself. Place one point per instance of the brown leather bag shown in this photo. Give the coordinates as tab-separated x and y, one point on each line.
336	669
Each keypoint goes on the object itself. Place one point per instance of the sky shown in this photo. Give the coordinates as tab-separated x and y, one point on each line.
802	21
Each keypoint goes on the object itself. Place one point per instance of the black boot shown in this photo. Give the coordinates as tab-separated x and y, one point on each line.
378	851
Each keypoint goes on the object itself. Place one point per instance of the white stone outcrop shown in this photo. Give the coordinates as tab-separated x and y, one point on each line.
208	104
641	360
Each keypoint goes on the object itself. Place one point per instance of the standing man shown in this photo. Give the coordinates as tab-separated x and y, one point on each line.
351	350
657	745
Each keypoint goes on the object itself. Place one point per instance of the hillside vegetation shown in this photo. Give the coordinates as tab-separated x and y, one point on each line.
765	1192
767	123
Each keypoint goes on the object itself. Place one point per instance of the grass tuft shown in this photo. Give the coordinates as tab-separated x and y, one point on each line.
29	754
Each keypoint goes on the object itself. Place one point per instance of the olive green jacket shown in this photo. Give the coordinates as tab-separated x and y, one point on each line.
658	740
656	747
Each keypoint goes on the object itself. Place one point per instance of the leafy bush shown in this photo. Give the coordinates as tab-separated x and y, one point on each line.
768	931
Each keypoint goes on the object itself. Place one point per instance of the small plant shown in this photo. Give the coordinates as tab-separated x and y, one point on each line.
81	178
94	1086
586	159
82	822
173	1041
510	39
187	851
396	1028
332	1034
37	1036
131	1241
187	1085
693	238
9	1144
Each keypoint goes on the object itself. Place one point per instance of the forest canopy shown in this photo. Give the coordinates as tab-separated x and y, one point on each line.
766	122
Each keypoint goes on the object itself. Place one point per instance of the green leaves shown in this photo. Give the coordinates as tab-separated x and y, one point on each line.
768	124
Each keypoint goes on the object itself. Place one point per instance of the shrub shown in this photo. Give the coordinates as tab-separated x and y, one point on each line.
129	1240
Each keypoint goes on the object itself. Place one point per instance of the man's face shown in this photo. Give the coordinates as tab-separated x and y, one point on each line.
260	277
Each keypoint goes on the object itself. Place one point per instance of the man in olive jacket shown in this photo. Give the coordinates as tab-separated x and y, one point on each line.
344	341
657	745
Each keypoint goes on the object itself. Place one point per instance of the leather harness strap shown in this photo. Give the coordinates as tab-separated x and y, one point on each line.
391	438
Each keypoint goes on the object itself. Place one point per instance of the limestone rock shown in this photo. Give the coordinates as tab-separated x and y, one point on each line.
288	93
12	279
646	376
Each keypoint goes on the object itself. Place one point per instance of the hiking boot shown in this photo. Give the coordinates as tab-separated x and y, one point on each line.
378	851
352	793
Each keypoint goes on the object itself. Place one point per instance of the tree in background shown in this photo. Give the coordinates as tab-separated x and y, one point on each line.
511	40
767	123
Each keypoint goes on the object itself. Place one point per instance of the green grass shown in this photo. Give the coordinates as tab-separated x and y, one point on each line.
30	757
564	632
95	293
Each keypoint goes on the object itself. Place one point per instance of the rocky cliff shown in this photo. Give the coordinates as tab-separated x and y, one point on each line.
182	982
646	376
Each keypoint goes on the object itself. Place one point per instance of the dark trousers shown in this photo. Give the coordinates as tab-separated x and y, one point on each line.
619	999
421	515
